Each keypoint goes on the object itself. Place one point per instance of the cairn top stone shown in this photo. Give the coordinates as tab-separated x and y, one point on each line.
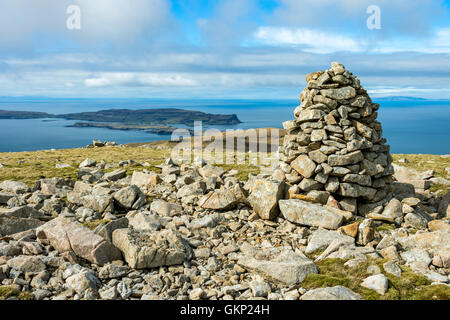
335	143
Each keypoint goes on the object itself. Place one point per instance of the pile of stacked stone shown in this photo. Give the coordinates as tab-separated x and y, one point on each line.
334	149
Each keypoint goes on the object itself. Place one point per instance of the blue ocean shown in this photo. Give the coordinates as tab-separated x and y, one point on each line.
421	126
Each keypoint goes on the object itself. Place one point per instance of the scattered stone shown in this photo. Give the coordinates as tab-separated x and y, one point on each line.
310	214
331	293
265	196
143	250
378	282
281	265
65	235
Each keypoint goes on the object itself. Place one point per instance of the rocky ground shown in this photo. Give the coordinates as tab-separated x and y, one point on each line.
168	230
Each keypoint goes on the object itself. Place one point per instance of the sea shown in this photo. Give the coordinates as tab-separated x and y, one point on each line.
418	126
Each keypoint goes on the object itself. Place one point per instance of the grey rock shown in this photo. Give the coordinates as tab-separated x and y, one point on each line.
281	264
343	160
322	238
143	250
310	214
88	162
223	199
265	196
378	282
392	268
13	186
65	235
115	175
130	197
331	293
340	93
27	263
304	166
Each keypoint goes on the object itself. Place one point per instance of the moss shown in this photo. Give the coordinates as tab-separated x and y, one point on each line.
8	291
323	280
95	223
26	295
385	227
243	170
409	286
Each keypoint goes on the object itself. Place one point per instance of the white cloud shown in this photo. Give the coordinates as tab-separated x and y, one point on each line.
139	80
38	23
313	40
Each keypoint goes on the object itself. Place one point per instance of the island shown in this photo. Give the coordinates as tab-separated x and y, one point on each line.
154	129
149	117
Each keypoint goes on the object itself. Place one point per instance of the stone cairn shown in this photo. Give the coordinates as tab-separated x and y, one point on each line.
334	149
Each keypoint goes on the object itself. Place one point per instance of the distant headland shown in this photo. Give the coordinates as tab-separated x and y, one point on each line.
147	117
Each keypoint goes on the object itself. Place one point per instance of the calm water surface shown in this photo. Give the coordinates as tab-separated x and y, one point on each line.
409	127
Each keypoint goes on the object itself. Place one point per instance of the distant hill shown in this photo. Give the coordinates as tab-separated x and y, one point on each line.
135	117
5	114
399	98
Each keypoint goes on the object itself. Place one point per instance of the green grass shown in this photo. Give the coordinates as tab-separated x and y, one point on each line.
29	171
385	227
95	223
424	162
410	286
9	291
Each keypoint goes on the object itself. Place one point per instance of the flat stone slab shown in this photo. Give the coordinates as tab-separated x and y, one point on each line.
322	238
12	225
331	293
144	250
310	214
65	235
280	264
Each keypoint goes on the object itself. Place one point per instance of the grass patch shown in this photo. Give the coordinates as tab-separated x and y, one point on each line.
410	286
41	164
94	223
243	170
26	295
385	227
424	162
8	291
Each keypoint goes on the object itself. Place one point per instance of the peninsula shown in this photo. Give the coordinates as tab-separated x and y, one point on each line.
133	117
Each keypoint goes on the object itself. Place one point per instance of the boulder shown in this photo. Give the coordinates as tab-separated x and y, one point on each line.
142	179
88	162
130	197
115	175
144	250
223	199
14	225
378	282
281	264
322	238
144	221
65	235
331	293
265	196
304	166
14	186
32	264
164	208
310	214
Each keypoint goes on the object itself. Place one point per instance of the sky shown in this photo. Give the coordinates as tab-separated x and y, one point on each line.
220	49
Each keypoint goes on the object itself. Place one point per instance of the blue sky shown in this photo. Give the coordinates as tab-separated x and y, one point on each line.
252	49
